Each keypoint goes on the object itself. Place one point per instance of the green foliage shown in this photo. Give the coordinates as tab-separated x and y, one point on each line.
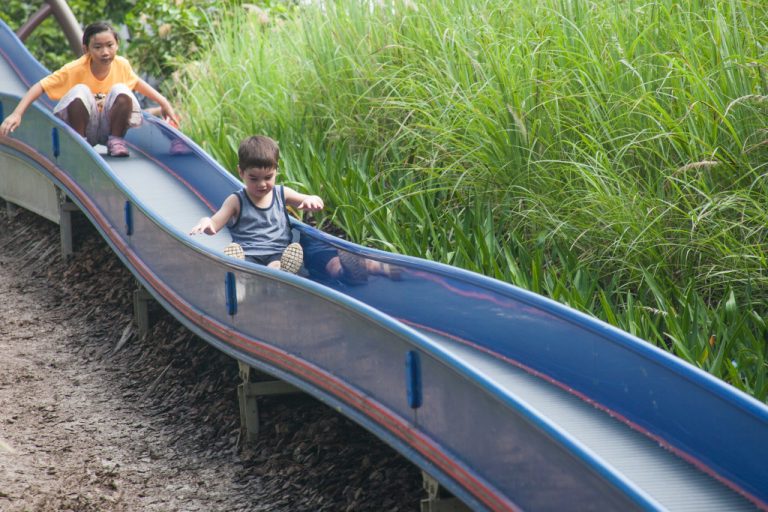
608	155
163	33
47	43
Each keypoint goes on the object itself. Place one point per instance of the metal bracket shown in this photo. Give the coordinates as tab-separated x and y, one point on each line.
248	393
438	498
63	15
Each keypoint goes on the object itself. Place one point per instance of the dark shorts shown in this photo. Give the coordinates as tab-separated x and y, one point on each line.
263	260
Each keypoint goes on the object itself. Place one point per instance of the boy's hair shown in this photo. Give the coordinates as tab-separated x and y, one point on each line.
258	151
97	28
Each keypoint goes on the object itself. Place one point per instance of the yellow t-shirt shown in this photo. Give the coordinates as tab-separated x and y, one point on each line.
78	71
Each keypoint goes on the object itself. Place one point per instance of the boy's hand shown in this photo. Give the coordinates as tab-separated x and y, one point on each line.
311	203
204	226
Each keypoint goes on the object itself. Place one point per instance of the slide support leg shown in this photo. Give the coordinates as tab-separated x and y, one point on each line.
141	299
66	207
438	498
254	384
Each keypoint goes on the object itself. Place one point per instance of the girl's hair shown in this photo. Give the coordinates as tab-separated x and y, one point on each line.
97	28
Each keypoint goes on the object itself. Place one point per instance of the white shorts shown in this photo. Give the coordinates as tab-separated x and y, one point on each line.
98	131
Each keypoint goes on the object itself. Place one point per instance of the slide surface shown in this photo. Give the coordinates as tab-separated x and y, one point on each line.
508	399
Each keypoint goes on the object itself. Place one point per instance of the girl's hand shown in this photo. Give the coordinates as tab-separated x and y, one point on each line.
10	124
169	116
311	203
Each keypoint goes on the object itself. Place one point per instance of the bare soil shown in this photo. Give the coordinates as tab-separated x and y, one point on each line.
95	418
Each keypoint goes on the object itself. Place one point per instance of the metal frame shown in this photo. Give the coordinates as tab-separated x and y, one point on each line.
67	21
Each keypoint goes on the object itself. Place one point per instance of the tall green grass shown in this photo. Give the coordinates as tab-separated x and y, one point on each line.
610	155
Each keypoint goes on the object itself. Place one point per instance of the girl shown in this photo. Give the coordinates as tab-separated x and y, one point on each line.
95	93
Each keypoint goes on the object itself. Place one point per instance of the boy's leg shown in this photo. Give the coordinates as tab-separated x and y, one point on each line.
319	257
290	260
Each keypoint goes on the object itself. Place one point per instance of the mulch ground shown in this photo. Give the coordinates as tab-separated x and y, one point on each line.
94	417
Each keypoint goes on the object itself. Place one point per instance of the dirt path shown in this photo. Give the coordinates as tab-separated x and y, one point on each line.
154	425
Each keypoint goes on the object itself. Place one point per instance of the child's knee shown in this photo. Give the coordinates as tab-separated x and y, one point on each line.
122	100
80	91
81	94
120	89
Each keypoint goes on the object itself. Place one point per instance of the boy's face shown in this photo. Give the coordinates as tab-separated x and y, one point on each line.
259	181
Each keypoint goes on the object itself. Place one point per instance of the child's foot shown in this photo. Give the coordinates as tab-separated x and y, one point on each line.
234	250
353	268
292	258
116	146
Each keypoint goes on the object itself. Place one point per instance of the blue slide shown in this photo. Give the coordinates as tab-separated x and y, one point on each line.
509	400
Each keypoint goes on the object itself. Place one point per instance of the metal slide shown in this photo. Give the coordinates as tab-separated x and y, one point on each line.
510	400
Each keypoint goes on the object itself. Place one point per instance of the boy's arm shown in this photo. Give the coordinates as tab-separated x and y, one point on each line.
212	225
302	201
152	93
14	118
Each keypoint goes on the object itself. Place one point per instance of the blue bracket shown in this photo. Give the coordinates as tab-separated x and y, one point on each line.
128	218
55	142
413	379
230	292
2	114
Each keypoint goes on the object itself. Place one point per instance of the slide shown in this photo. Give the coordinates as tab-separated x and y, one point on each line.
509	400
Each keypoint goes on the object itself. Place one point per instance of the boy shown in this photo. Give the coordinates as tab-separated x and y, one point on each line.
259	225
256	214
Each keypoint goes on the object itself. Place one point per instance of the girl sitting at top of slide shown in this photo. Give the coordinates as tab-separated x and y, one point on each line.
95	93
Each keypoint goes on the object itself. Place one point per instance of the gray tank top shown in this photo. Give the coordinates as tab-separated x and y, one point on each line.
262	231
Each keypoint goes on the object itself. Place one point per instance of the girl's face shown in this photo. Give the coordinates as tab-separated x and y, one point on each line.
102	48
259	182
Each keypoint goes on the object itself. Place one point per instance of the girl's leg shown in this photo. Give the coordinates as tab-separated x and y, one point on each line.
78	116
120	115
119	109
121	112
78	109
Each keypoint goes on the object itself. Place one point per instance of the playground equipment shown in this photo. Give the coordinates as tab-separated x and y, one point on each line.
506	399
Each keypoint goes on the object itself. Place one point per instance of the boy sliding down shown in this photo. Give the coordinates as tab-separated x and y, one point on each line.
256	214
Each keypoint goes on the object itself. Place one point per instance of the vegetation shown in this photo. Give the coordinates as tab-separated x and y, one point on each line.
47	43
609	155
160	34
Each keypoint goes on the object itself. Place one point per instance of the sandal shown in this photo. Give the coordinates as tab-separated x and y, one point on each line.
292	258
234	250
353	268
